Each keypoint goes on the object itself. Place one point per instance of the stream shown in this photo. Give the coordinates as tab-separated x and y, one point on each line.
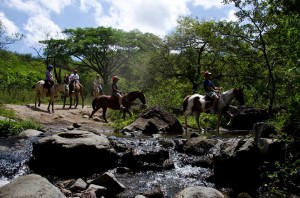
15	153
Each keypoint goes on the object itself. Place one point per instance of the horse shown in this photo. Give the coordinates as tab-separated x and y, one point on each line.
197	104
107	101
41	92
74	93
97	91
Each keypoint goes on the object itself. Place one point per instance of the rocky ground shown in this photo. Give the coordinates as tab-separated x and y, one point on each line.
61	118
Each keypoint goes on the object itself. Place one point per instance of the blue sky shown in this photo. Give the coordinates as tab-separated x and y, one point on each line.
44	19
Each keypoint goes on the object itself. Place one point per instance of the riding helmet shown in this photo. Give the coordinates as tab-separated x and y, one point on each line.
75	71
206	73
50	67
114	78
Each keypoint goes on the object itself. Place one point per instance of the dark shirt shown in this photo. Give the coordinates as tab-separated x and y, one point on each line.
115	88
208	83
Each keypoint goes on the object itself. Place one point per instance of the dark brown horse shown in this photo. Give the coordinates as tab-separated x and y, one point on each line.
106	101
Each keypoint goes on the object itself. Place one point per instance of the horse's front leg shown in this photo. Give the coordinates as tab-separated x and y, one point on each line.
126	111
49	106
219	120
82	99
104	114
39	99
197	117
52	103
185	124
70	101
64	102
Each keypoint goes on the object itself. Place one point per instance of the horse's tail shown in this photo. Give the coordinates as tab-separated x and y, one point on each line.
185	103
94	103
33	87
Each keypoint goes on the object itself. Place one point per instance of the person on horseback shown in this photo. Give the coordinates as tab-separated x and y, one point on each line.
66	79
211	90
49	82
97	81
116	92
74	80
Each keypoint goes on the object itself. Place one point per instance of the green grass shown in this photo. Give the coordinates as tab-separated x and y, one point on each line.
10	127
8	113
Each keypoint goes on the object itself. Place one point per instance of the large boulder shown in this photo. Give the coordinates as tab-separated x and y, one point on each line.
199	191
155	120
245	118
75	153
33	186
236	164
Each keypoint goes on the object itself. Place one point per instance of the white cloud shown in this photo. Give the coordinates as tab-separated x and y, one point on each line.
207	4
40	28
231	16
30	7
56	5
8	25
154	16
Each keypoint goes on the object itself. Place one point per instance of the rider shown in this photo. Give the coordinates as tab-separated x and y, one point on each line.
116	92
49	82
74	78
97	81
211	90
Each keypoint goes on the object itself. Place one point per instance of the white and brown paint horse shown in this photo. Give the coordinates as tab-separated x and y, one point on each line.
197	104
41	92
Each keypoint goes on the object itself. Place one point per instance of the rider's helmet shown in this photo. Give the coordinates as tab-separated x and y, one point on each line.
206	74
50	67
114	78
75	71
98	75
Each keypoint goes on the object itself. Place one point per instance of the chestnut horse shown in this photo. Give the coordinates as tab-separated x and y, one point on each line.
197	104
107	101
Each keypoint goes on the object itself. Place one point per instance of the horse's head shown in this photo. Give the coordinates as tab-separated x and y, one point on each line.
239	95
66	90
136	94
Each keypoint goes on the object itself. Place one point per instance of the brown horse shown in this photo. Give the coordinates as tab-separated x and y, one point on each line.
105	101
197	104
41	92
74	94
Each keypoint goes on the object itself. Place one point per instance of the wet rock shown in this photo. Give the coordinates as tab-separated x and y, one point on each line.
33	186
155	120
109	181
29	133
95	189
141	159
75	153
236	165
199	191
154	193
78	186
199	145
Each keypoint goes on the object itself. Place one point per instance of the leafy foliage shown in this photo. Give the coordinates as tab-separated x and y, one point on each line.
10	128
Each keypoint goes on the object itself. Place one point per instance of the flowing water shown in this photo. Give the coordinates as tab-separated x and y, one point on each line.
14	153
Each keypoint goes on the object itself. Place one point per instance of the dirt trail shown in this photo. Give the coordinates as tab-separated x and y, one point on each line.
61	117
